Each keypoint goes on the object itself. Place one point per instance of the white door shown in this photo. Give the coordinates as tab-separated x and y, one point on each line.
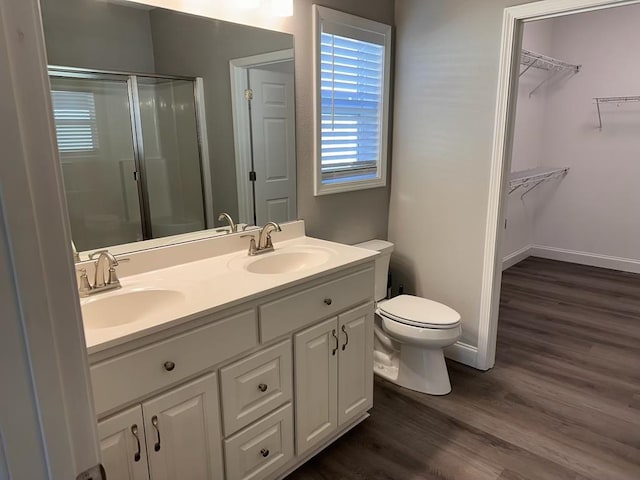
123	447
316	364
355	370
274	145
183	432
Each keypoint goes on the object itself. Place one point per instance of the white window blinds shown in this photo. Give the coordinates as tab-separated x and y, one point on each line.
352	73
75	118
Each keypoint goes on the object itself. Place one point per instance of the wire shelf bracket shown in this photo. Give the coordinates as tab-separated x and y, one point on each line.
617	100
530	179
555	67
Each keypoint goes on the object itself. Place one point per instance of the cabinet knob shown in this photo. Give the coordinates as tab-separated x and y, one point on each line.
264	452
328	301
263	387
169	366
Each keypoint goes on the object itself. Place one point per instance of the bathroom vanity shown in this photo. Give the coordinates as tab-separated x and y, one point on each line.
210	364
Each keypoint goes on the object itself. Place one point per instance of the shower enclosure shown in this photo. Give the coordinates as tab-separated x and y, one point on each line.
131	153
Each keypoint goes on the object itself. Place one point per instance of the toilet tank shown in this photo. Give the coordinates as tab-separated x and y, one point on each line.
382	264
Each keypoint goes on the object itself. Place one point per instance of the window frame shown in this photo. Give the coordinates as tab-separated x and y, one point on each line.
360	29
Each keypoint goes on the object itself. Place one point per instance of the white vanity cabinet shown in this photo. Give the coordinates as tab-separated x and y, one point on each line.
183	432
175	435
334	384
123	445
244	394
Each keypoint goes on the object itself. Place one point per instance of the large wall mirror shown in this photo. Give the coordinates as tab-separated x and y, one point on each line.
165	120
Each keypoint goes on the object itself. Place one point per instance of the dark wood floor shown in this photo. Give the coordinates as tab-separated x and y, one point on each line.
563	401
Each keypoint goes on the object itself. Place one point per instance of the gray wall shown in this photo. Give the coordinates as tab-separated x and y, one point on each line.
120	36
346	217
445	96
202	47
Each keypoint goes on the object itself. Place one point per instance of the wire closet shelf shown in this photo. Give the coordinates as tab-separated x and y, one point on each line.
530	179
617	100
555	67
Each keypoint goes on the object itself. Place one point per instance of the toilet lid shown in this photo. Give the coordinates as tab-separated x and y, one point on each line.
420	312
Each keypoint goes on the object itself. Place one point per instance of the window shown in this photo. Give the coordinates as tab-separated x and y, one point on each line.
75	118
351	101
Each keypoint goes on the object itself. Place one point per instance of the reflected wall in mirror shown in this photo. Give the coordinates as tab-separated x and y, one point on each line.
164	120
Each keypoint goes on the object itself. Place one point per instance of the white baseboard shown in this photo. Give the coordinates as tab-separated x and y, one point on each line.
585	258
463	353
516	257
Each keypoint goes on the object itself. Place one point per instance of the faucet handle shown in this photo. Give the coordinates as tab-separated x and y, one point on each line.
113	277
252	243
85	286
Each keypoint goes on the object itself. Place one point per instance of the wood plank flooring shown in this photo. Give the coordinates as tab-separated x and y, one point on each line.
563	401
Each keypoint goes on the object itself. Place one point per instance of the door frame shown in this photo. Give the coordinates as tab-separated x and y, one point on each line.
238	68
512	27
43	310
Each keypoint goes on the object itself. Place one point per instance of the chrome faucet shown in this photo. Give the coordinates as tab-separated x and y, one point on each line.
264	243
232	225
100	283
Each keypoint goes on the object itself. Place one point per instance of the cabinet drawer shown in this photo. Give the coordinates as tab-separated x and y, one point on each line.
129	377
262	448
256	385
308	306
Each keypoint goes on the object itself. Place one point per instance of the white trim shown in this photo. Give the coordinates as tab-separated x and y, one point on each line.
205	164
586	258
351	22
463	353
516	257
241	122
36	232
501	161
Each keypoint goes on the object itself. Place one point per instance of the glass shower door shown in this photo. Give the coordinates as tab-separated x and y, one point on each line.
171	155
94	133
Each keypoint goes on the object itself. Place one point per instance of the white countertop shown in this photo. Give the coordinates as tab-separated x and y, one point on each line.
212	284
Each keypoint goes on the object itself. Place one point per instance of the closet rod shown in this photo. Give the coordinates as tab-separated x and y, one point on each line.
535	176
616	100
543	62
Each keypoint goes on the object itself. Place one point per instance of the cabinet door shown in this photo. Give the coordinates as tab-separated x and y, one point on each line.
183	432
316	365
124	454
355	370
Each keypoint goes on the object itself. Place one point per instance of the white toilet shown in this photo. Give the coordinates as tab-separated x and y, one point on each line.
410	333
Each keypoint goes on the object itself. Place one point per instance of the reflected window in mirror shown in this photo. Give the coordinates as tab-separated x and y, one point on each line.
352	83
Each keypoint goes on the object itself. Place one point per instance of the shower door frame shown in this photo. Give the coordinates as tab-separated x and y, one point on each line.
140	174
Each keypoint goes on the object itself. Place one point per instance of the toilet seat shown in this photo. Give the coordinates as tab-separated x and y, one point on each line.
419	312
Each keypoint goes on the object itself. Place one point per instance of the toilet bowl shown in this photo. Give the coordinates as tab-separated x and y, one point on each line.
410	334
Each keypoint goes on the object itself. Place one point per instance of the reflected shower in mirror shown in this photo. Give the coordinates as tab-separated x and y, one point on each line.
164	120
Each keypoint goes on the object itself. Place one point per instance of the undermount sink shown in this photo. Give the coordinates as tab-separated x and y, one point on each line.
288	260
124	307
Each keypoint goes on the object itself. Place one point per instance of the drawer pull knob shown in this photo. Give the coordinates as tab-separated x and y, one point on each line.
263	387
264	452
134	431
328	301
169	366
154	422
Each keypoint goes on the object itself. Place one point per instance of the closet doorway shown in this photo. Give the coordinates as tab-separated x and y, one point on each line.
565	149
